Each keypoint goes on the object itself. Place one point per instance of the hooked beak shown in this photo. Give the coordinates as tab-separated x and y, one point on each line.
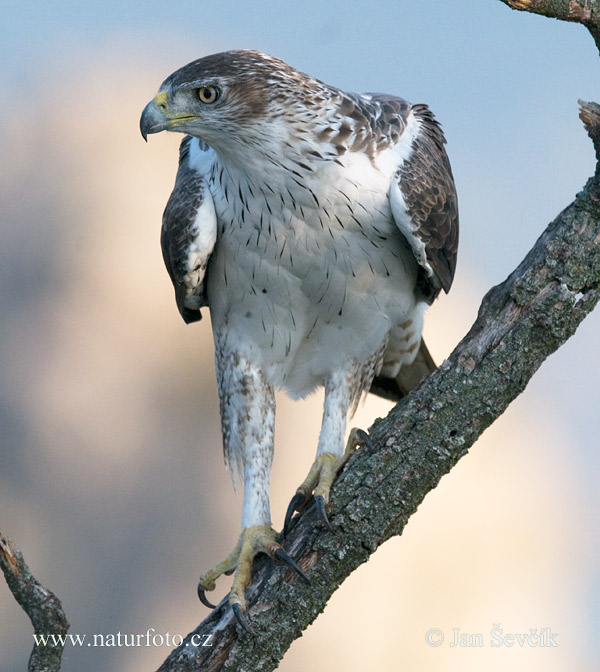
154	117
157	117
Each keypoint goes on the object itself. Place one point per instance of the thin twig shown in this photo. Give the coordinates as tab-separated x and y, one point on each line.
41	605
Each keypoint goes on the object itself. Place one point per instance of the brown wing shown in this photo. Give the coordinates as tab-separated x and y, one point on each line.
429	195
425	208
188	235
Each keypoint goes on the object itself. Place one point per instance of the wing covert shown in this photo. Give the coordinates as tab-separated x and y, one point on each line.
189	233
424	204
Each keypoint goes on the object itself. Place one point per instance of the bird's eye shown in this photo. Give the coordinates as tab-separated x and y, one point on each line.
208	94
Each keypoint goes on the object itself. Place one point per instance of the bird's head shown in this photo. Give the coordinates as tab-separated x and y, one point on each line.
227	99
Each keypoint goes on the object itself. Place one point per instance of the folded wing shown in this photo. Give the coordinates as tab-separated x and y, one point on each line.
189	232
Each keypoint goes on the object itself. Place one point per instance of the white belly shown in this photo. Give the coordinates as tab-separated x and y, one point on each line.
302	293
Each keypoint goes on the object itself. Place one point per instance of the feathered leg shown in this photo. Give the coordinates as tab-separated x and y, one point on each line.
332	451
248	422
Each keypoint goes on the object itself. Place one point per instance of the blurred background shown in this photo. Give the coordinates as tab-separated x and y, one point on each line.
112	480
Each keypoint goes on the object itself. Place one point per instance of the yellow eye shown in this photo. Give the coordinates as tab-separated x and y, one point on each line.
208	94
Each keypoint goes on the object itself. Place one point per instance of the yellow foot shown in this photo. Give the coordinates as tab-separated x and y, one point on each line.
252	541
321	477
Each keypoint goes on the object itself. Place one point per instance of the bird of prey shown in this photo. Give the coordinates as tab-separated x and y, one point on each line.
316	225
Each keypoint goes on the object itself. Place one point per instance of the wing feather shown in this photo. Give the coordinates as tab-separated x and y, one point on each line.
189	233
424	204
425	209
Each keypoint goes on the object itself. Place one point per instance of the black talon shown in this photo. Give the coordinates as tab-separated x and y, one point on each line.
202	597
295	504
240	617
321	510
281	555
364	438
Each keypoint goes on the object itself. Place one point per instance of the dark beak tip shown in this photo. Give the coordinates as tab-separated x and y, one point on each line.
143	129
149	123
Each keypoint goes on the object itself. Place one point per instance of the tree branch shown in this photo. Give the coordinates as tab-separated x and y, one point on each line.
520	323
41	605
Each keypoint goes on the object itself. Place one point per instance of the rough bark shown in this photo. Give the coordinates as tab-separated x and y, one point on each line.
41	605
520	322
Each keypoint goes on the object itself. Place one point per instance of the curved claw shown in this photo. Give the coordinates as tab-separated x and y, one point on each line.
322	512
364	439
294	505
240	617
202	597
282	556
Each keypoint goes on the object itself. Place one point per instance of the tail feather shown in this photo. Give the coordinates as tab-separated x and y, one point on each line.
407	379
